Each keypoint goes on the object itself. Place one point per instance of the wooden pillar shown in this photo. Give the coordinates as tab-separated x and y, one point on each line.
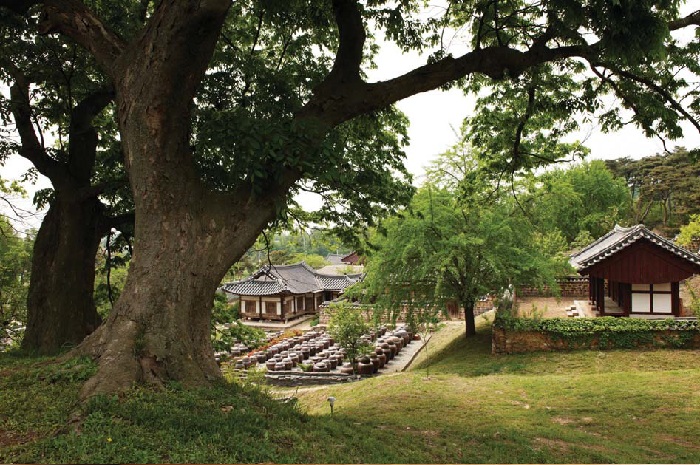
675	299
260	307
600	300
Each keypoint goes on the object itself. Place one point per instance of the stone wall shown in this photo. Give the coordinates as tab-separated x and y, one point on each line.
515	342
481	306
300	378
570	286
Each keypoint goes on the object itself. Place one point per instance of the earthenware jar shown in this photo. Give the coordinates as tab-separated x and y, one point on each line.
346	369
332	361
365	366
375	362
386	349
321	367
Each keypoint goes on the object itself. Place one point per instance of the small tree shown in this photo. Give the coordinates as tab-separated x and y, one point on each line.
689	232
426	322
347	325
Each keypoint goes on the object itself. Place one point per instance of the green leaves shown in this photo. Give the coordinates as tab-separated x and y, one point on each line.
454	243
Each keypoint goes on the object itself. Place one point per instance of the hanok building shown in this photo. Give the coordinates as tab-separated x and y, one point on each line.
638	270
285	292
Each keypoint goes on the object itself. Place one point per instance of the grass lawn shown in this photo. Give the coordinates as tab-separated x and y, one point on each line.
618	406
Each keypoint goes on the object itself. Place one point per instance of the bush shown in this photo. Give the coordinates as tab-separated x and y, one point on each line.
222	312
224	337
611	332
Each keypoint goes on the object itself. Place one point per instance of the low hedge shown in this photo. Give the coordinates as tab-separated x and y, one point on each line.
607	332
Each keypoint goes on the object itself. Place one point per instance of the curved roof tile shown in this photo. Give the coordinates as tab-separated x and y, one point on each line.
294	279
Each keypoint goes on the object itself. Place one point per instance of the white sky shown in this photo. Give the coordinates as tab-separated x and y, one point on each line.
435	119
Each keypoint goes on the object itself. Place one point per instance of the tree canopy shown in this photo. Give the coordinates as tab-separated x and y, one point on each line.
456	245
665	188
584	197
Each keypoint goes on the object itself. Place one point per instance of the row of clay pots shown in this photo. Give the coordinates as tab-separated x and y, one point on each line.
296	349
319	350
387	345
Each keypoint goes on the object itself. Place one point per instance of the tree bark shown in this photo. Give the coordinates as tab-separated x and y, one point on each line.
469	317
60	306
159	330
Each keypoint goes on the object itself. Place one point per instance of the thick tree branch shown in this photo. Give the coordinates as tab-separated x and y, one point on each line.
83	137
346	102
88	108
31	148
345	74
73	19
690	20
352	38
116	222
101	188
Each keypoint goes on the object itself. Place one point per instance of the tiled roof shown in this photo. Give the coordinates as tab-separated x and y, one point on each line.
337	282
618	239
295	279
252	286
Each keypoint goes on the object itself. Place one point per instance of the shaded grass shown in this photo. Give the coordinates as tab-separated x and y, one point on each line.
583	407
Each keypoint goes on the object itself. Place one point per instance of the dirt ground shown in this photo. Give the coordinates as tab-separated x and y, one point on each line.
545	307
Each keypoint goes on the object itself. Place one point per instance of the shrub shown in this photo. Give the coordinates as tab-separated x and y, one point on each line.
611	332
224	337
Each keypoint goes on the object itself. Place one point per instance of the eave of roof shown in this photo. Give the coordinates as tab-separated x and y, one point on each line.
620	238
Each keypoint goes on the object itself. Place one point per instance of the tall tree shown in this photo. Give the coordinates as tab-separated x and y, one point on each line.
188	234
584	197
55	89
665	188
448	246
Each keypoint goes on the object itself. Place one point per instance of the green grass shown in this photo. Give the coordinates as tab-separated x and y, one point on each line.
617	406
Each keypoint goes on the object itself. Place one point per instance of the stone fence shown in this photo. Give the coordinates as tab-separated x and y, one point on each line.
514	342
569	286
452	312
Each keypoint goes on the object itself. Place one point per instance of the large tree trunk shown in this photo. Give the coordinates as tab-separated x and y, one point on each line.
60	306
186	236
159	329
469	317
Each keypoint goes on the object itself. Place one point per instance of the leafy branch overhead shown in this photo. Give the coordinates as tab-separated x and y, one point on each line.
272	50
